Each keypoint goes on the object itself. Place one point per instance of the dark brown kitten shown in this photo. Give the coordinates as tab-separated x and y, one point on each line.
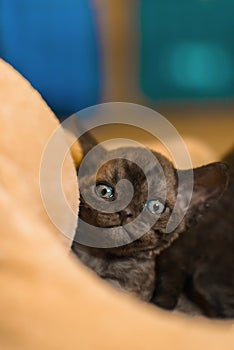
132	267
201	262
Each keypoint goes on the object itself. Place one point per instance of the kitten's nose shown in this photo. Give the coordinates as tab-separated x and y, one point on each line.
126	216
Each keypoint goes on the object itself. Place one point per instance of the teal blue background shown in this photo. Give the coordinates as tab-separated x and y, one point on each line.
187	49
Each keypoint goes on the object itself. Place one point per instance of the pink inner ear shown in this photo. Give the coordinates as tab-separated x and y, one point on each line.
210	181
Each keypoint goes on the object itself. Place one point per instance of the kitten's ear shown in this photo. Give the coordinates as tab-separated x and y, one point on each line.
86	142
210	182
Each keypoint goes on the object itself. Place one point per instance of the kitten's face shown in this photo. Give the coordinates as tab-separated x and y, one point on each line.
156	208
154	192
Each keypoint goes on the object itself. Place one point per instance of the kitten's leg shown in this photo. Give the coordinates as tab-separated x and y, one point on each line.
168	289
170	276
172	269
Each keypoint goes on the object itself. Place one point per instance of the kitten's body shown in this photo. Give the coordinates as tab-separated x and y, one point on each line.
132	267
201	262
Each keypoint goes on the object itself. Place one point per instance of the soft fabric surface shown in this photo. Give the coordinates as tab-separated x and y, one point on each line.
47	299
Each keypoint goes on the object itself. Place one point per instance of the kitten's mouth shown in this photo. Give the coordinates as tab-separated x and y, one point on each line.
108	236
116	235
122	229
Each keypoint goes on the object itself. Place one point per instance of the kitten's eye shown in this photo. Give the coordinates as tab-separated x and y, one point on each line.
155	206
104	191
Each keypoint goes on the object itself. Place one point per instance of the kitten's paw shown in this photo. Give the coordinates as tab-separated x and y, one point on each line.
166	302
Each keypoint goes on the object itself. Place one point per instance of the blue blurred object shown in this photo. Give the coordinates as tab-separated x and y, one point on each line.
65	47
54	44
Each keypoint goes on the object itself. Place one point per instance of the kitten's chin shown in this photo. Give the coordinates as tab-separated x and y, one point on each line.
122	237
145	246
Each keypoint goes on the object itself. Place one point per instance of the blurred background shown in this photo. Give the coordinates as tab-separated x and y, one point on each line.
174	56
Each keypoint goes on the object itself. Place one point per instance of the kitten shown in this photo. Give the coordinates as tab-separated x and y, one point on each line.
132	267
201	262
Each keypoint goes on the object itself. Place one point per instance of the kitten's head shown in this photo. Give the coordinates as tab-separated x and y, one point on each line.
137	215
